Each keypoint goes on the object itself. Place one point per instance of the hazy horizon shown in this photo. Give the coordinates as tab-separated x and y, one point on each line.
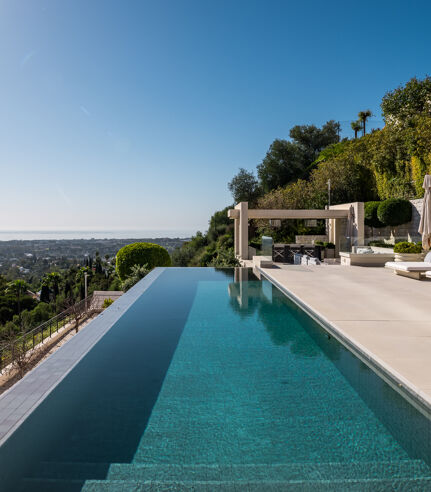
76	234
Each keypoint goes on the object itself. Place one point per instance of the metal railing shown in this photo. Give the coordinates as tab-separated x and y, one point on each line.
10	351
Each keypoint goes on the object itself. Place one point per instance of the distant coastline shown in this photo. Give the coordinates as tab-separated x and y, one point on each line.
88	234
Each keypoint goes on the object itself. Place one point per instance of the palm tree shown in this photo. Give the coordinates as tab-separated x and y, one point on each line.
53	279
363	116
18	288
356	127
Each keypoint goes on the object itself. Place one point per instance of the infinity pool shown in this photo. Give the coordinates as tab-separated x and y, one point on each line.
213	380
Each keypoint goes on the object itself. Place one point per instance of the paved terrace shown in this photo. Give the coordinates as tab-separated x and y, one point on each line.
386	317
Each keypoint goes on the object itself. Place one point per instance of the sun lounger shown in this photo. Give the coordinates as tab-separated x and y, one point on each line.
411	269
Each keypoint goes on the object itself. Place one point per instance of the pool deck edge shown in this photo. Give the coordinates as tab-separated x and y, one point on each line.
416	396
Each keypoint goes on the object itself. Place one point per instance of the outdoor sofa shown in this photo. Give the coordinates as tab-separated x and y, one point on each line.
412	269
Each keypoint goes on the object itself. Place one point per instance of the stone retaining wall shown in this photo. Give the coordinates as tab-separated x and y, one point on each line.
406	232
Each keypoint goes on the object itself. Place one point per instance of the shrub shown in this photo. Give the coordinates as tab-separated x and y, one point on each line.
380	244
136	274
107	303
225	258
370	215
406	247
394	211
319	243
140	254
329	245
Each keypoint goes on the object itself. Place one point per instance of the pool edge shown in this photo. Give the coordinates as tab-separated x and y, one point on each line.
399	383
35	386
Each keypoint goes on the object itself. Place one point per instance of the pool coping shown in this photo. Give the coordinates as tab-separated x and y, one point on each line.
19	401
397	381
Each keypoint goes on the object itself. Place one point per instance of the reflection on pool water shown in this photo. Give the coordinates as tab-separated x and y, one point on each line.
213	380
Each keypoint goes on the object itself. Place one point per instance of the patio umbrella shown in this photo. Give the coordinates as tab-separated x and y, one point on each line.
349	227
425	223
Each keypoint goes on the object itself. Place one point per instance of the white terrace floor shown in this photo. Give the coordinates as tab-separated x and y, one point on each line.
388	317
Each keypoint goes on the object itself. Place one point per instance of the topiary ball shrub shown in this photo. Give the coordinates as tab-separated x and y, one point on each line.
394	211
370	214
140	254
406	247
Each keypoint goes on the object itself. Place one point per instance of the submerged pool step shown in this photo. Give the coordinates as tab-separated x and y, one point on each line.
50	485
70	470
374	485
277	472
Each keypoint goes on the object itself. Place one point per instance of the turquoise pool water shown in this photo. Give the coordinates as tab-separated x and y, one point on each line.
214	380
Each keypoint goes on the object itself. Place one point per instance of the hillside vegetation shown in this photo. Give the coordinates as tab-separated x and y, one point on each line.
384	163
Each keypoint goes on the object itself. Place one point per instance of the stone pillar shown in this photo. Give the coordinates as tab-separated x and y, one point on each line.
236	236
243	230
359	221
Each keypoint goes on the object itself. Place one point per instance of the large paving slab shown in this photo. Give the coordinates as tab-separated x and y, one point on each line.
385	316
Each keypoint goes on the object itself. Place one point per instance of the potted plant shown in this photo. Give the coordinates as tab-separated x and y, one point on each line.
405	251
322	248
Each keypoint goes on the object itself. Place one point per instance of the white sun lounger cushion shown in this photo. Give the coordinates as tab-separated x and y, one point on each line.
409	266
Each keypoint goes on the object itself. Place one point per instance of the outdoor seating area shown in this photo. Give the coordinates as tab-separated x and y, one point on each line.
296	253
411	269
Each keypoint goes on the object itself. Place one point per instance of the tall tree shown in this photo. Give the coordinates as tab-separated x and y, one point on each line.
53	280
405	102
282	164
356	127
363	117
286	161
44	293
244	187
313	140
18	288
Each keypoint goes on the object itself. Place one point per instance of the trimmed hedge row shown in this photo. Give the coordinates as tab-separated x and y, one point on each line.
140	254
391	212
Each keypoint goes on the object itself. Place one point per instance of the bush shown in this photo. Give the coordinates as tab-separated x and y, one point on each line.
225	258
107	303
329	245
140	254
137	273
394	211
370	215
406	247
380	244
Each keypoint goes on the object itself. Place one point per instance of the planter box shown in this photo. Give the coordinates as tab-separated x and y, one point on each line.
366	260
329	253
409	256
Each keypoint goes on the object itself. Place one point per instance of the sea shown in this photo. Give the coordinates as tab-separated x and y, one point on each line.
91	234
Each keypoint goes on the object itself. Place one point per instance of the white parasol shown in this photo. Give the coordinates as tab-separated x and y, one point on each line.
425	223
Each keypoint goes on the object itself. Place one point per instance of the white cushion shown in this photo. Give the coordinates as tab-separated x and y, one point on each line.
364	251
409	266
428	257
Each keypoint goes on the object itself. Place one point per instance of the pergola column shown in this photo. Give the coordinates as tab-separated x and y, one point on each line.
236	236
243	230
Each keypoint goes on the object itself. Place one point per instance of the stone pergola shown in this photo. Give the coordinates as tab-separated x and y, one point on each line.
354	212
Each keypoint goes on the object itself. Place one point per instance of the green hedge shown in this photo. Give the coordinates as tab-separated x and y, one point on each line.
140	254
394	211
370	214
406	247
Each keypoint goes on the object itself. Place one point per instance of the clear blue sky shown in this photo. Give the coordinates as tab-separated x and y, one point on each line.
135	114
